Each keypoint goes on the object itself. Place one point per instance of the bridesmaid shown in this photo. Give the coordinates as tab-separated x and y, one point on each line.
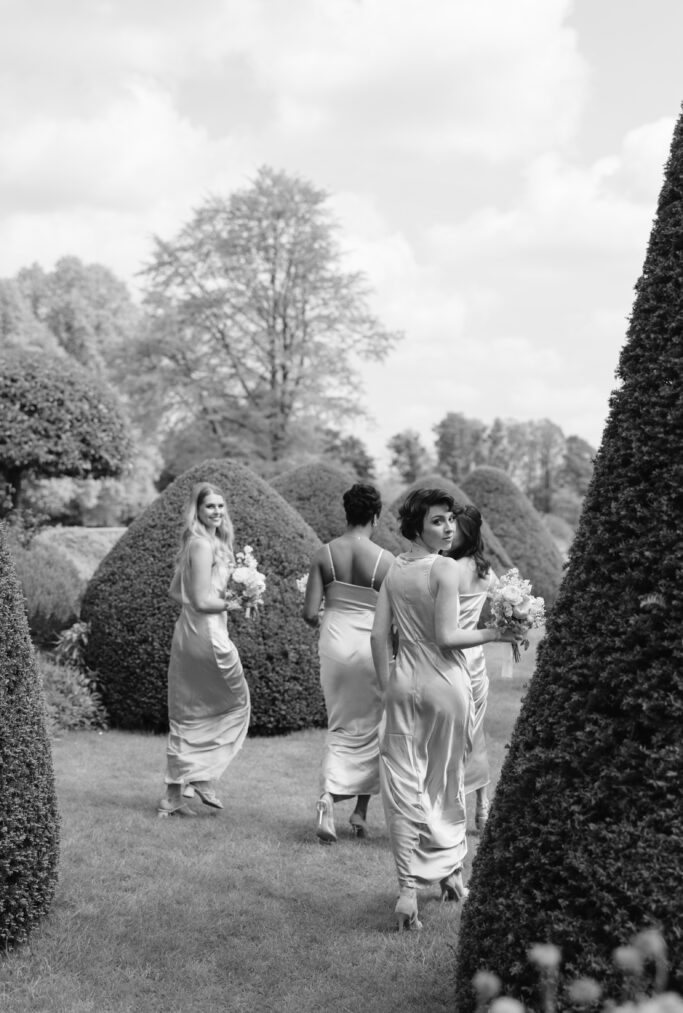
477	579
347	573
428	701
208	697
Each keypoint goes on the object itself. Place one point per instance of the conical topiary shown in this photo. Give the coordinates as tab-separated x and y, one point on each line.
584	846
518	527
494	551
29	822
316	491
132	618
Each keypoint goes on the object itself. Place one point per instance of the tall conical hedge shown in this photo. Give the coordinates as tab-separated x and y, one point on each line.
29	822
585	841
495	552
132	617
518	527
316	491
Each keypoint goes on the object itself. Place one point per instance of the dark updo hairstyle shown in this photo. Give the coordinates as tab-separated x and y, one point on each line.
415	507
362	503
469	522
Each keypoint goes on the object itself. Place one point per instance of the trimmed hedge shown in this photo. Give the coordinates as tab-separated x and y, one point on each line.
519	528
316	491
584	845
132	618
493	550
29	822
52	588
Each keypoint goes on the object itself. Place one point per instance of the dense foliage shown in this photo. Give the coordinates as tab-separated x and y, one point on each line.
56	419
132	618
493	550
518	527
585	841
29	837
316	491
70	699
52	589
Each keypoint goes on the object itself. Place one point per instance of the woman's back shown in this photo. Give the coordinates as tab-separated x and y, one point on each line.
412	598
355	561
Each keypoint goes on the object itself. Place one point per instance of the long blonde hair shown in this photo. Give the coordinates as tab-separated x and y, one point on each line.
221	542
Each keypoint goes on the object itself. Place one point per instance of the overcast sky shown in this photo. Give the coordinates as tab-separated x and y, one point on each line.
494	166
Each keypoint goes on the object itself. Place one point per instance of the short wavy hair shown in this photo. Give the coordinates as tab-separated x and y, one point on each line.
415	507
469	521
362	503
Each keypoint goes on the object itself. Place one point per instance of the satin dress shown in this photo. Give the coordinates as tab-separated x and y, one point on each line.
208	696
477	768
429	713
353	698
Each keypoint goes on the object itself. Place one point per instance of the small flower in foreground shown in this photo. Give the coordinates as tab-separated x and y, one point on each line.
584	991
651	943
628	959
486	985
667	1002
545	955
506	1005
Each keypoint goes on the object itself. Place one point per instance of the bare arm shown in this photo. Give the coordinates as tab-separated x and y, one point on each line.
380	638
174	591
446	576
202	597
314	594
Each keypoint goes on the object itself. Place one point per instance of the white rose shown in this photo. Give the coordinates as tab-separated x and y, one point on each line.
512	595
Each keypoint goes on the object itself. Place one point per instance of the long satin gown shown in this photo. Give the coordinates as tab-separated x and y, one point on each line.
208	696
477	768
429	711
353	698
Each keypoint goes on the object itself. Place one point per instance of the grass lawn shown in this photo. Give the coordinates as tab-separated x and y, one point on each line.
240	910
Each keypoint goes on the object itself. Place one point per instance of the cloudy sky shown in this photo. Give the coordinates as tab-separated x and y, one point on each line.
494	166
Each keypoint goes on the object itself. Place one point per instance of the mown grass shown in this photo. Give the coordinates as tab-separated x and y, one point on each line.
240	910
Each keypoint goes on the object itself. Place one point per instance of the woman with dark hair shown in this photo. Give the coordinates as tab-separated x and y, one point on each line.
208	697
347	574
477	579
428	704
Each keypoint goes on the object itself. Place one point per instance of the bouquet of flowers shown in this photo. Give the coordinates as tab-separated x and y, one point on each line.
513	607
246	584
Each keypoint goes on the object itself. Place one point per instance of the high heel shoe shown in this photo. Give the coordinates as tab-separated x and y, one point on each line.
453	888
173	803
406	912
358	825
207	794
325	831
481	814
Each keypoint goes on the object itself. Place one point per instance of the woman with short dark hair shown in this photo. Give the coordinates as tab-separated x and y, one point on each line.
347	574
428	704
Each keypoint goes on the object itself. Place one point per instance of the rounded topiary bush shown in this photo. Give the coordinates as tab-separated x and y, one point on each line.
316	491
519	528
52	588
494	551
29	822
131	616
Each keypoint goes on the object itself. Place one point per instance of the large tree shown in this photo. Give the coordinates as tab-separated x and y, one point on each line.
409	456
255	323
460	445
584	845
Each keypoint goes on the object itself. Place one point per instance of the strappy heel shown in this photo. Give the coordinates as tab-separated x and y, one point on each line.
453	888
173	804
358	825
325	831
206	793
406	912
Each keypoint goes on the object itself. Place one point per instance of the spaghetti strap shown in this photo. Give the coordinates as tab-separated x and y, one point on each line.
374	572
329	553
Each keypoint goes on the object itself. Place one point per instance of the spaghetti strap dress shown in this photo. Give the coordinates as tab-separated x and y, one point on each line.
352	693
428	709
208	696
477	768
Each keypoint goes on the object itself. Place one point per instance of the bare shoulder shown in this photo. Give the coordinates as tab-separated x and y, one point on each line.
446	570
200	550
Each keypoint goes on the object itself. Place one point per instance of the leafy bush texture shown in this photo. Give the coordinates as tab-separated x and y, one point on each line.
131	617
29	834
70	700
316	491
52	589
494	551
518	527
584	846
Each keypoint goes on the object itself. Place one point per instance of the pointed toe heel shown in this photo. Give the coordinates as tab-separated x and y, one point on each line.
207	795
406	913
358	826
453	888
325	831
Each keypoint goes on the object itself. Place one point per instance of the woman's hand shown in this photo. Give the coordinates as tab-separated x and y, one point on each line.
510	636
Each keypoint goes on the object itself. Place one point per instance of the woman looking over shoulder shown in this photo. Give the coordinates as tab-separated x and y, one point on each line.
208	697
347	573
477	579
428	704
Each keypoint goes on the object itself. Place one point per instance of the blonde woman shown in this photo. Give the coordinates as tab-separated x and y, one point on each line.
208	697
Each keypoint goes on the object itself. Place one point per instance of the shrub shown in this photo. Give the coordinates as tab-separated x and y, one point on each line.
29	838
494	551
584	845
560	531
132	618
71	701
52	589
316	491
518	527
